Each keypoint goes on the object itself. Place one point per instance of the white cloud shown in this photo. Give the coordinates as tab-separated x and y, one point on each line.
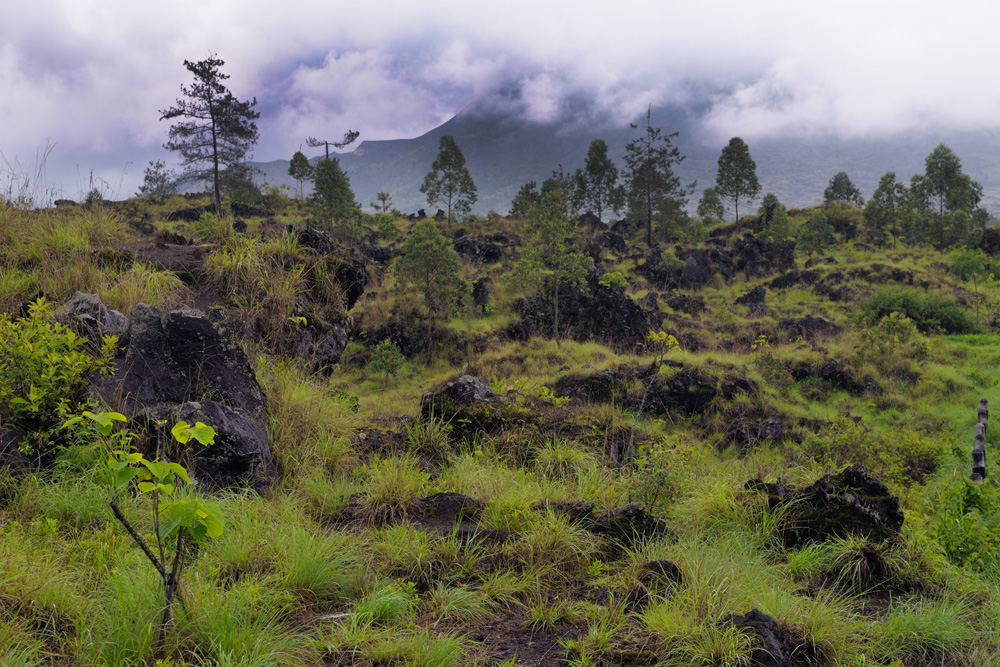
92	75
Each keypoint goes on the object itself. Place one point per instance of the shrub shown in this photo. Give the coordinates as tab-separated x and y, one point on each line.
387	359
817	234
45	371
929	312
893	341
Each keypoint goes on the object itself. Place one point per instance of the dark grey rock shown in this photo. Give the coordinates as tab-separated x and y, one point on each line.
241	455
177	357
87	315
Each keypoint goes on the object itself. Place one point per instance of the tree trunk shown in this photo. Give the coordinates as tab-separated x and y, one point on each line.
555	309
215	165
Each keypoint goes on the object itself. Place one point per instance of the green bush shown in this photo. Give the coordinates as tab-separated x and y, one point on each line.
892	343
817	234
44	371
931	313
387	359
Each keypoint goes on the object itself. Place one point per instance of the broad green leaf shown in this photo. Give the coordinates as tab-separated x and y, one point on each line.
181	432
69	422
124	476
146	487
175	514
203	433
179	470
212	518
157	468
198	532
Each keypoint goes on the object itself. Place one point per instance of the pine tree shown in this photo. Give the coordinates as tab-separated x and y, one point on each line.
553	253
652	188
449	181
597	186
842	190
218	130
430	266
300	169
737	175
332	197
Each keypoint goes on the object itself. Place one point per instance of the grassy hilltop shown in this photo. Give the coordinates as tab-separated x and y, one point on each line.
600	509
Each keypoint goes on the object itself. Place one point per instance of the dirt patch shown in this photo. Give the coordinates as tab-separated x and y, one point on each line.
510	636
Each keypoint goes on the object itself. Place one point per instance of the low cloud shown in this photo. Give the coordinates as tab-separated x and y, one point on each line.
92	76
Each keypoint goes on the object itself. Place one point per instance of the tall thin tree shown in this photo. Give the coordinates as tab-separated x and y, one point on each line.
653	189
217	131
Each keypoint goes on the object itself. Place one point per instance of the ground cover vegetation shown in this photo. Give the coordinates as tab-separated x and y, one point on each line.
533	439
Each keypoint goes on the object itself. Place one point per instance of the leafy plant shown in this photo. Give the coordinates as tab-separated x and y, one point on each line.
174	518
893	341
930	312
768	364
613	279
387	359
44	371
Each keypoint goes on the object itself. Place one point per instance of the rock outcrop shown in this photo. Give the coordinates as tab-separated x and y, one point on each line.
177	366
850	503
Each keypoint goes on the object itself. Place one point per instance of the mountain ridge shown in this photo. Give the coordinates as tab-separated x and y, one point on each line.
503	152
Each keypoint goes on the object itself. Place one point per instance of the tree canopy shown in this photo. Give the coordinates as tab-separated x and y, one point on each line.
217	131
597	186
944	187
300	169
737	175
430	265
449	181
884	209
710	205
554	251
842	190
653	190
332	197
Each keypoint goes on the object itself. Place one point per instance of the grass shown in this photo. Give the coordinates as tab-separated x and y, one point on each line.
337	564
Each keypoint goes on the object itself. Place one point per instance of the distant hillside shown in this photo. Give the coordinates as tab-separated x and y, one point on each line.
503	154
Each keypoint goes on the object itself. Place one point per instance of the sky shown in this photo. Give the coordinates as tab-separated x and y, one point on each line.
82	83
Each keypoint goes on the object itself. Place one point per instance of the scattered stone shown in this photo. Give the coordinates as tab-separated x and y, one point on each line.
754	296
88	316
471	407
481	293
600	313
662	572
686	303
627	525
613	241
809	328
484	252
774	648
12	460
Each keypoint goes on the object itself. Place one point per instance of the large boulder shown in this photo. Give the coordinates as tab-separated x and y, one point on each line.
470	407
643	388
177	357
12	460
478	250
241	454
320	346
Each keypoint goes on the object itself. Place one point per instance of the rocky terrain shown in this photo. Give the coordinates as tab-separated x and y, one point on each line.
714	451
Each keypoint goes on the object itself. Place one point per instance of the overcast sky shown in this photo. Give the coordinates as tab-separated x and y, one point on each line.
87	79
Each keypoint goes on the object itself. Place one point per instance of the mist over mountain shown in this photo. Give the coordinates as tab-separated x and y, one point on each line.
505	148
